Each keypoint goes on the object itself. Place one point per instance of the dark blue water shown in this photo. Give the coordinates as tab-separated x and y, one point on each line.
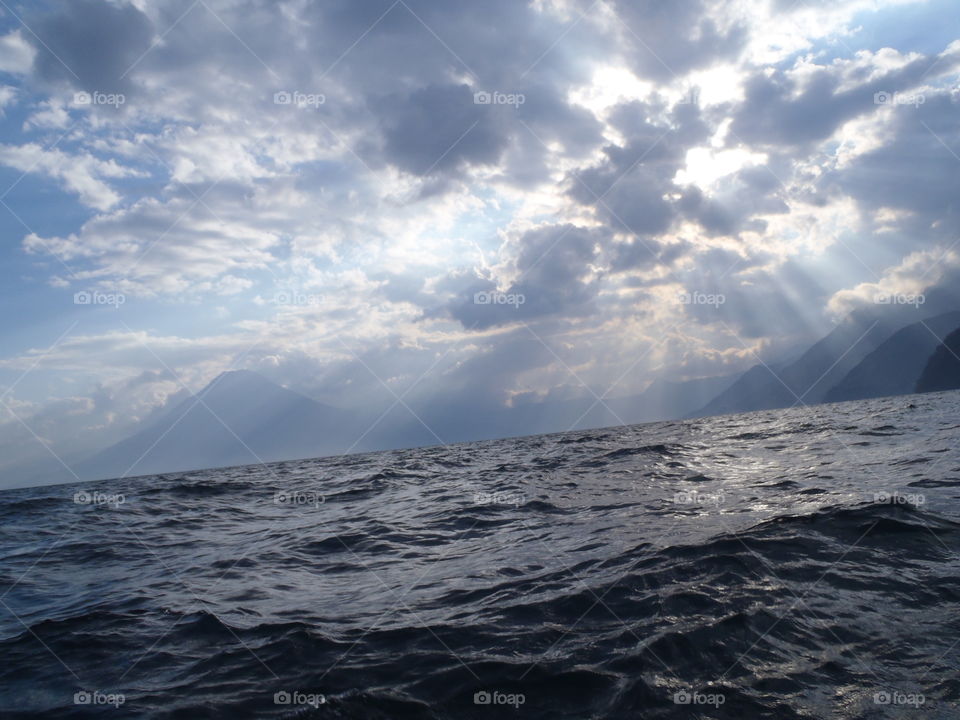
795	564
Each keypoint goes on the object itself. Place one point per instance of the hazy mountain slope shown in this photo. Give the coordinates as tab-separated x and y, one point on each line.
663	400
239	418
668	400
242	418
757	388
807	379
895	366
452	422
942	371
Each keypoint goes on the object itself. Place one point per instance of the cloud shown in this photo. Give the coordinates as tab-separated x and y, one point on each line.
82	174
181	246
16	53
631	189
915	276
440	129
809	103
477	236
91	45
7	95
665	41
551	272
912	173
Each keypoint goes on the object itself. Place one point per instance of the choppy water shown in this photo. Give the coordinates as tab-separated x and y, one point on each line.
753	565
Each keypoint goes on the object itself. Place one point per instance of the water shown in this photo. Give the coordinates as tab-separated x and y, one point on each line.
795	564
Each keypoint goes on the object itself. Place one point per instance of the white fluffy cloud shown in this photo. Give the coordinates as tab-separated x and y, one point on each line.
82	174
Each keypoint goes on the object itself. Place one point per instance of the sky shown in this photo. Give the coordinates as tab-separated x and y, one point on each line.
458	202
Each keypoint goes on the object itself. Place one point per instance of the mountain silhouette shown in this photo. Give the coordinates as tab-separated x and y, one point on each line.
943	369
808	379
896	365
240	418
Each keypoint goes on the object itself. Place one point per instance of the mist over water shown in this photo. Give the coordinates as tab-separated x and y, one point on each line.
784	564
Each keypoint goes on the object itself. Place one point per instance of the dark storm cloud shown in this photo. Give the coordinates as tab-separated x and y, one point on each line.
91	44
915	170
439	129
669	38
781	110
547	113
745	194
640	252
554	276
398	79
497	43
630	189
634	201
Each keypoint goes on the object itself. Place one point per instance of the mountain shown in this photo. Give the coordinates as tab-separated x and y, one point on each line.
942	371
667	400
662	400
807	379
895	366
240	418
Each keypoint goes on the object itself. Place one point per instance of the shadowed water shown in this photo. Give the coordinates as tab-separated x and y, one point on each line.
791	564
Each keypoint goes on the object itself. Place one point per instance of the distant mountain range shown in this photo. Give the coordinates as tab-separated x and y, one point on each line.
243	418
894	367
808	379
240	418
872	353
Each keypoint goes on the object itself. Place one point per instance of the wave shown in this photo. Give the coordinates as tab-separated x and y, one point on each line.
640	572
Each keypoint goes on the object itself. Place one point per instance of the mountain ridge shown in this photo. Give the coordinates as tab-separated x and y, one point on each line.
895	366
241	417
942	371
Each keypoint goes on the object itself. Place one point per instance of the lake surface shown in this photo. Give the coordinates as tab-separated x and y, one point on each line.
784	564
